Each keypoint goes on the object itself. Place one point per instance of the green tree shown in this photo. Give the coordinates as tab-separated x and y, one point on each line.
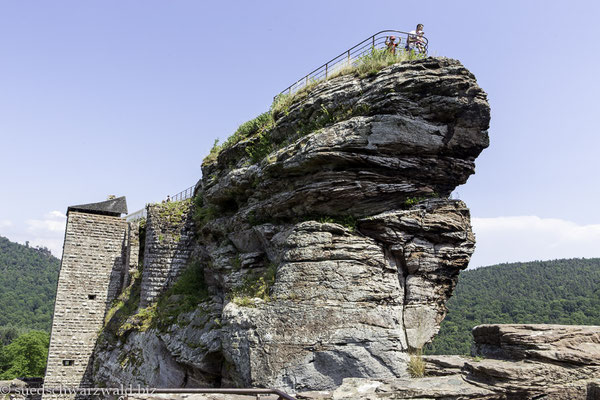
25	357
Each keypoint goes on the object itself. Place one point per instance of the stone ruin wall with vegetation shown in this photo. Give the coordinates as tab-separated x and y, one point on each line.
168	244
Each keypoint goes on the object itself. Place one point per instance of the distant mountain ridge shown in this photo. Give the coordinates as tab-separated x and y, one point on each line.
565	291
28	278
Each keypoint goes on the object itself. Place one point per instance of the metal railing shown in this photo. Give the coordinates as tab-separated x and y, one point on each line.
137	215
352	55
183	195
348	58
135	392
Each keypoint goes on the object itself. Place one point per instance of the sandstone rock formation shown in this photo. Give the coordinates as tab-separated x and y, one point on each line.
524	362
328	242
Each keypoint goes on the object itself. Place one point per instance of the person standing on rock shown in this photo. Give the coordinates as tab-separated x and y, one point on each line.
390	42
415	39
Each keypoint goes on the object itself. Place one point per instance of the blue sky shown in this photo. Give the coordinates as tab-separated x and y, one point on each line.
127	97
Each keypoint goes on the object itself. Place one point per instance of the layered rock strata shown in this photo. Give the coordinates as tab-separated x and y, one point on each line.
332	254
521	362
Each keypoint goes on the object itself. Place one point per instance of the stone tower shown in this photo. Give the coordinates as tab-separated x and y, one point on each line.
93	269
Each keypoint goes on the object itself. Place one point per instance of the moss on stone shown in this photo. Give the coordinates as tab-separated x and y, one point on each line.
255	286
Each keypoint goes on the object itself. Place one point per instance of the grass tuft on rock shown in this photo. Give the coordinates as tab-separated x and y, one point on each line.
416	364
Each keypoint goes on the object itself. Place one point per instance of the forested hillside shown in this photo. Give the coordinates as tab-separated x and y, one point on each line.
28	279
549	292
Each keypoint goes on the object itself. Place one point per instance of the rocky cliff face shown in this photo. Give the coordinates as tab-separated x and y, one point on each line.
524	362
326	240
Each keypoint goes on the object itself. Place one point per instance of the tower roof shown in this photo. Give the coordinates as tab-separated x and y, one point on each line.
113	207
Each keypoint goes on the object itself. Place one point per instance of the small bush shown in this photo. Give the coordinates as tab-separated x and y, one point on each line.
203	213
213	154
190	289
262	122
261	148
411	201
416	364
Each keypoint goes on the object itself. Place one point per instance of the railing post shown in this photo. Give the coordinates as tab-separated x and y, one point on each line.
348	56
326	66
373	41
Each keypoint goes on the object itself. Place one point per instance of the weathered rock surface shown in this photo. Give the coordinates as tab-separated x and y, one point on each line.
577	345
350	212
414	129
558	361
523	362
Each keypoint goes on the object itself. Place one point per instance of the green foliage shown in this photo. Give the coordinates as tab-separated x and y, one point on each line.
116	321
28	278
347	221
371	63
261	147
544	292
213	154
10	333
26	356
236	263
282	102
203	213
259	124
187	292
173	212
255	286
411	201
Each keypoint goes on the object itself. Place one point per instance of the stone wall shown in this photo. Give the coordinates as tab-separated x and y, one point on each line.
167	248
133	253
90	277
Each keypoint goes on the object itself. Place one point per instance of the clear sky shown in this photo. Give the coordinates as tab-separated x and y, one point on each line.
121	97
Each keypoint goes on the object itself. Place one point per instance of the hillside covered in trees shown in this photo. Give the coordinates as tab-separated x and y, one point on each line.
545	292
28	278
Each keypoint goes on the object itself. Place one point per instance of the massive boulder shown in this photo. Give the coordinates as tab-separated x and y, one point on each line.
328	242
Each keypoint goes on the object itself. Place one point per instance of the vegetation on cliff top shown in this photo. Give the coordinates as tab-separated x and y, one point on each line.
367	65
541	292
